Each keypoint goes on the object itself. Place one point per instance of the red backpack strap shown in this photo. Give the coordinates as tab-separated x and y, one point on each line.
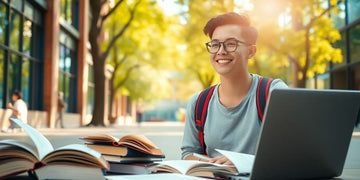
201	112
262	95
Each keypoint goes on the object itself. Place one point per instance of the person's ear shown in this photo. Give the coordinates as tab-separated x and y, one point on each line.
251	51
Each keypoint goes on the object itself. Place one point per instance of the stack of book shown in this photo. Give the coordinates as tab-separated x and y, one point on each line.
129	155
39	159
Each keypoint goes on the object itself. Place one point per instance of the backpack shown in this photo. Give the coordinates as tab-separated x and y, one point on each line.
205	96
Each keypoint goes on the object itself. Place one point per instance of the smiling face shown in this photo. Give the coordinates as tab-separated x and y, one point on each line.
231	63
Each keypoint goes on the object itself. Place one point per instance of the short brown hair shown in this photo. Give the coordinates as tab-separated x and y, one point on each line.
249	33
18	94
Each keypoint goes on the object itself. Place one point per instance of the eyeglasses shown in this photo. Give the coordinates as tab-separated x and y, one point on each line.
230	45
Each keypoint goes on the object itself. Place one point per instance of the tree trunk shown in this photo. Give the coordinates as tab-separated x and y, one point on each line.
99	113
100	106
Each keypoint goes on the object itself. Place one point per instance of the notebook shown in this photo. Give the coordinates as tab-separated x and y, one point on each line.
305	134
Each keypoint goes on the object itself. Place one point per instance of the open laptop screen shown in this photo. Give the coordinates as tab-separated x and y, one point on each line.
305	134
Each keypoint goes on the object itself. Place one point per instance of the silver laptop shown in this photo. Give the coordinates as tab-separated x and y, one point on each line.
305	134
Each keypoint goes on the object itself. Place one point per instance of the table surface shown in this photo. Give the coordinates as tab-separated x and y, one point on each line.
348	174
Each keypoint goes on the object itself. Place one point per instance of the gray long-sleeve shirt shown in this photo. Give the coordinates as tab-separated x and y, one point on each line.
234	129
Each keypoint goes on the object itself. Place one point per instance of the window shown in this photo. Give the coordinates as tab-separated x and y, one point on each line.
14	74
342	45
27	35
15	30
2	74
69	10
354	38
353	10
339	79
67	78
25	79
355	77
3	23
339	17
21	51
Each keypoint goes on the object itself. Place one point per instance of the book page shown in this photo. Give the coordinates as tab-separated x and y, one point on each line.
21	145
142	143
180	165
77	154
243	162
102	138
141	139
43	146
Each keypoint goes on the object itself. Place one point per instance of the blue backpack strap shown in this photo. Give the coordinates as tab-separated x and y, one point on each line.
201	112
262	93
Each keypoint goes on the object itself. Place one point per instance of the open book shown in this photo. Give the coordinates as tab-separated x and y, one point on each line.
107	144
242	166
40	159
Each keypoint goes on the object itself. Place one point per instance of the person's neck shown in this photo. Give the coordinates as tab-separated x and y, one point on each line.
233	90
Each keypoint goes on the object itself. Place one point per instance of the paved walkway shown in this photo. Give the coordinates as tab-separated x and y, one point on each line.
166	135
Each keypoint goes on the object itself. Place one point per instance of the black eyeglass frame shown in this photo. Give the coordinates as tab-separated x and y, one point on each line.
208	45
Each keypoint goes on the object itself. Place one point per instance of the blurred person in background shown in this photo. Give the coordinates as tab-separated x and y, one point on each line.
19	110
60	109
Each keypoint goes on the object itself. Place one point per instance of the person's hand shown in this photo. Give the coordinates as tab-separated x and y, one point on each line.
221	160
9	105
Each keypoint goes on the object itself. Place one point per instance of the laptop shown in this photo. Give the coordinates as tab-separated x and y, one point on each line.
305	134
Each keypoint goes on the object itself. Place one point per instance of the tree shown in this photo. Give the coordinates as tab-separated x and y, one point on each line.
148	47
307	42
99	56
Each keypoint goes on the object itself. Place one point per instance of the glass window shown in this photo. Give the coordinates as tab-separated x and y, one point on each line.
338	79
27	35
37	17
61	82
14	73
66	6
353	10
354	38
15	28
67	61
67	78
17	4
25	80
342	45
2	54
355	77
339	17
21	30
29	11
3	23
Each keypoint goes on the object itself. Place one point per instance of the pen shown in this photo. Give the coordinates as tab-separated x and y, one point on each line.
201	156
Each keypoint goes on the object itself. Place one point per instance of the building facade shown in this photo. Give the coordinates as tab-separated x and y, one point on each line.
345	75
44	50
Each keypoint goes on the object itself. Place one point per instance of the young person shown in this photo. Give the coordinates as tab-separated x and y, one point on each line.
60	110
232	118
19	110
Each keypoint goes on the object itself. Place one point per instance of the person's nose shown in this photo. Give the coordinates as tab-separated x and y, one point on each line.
221	49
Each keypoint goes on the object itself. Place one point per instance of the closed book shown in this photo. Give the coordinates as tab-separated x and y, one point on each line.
137	168
107	149
128	160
